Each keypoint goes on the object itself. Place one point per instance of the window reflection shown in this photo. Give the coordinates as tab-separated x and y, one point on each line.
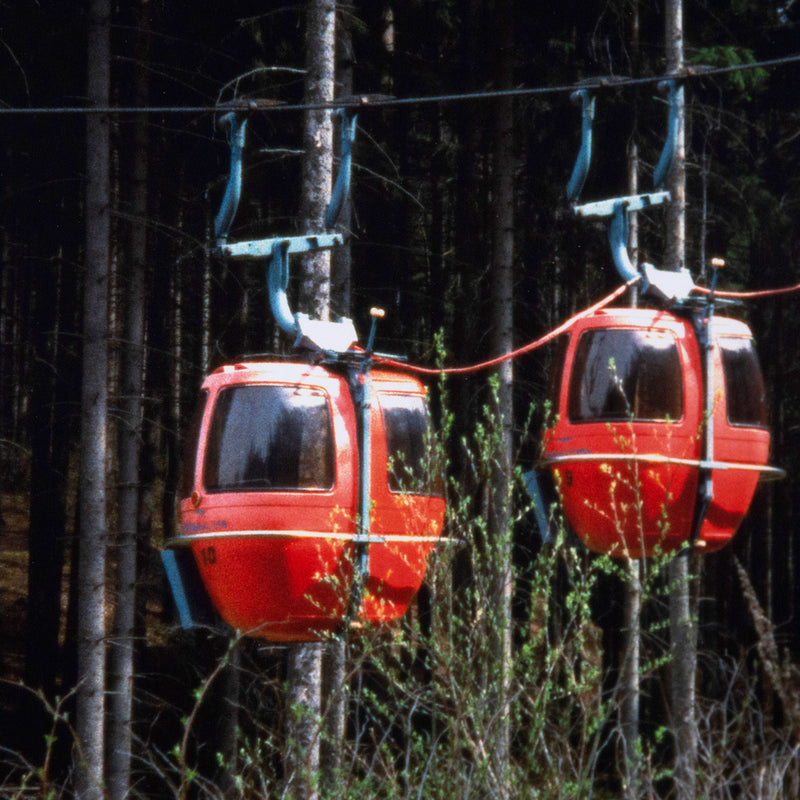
744	384
408	439
266	438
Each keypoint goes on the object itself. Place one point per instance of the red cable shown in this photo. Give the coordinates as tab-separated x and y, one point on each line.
514	353
750	295
548	337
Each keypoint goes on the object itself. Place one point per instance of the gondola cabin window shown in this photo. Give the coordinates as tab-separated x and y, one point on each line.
269	438
408	439
626	374
744	385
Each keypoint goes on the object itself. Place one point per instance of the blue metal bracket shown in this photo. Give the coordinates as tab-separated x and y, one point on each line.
675	97
534	490
194	606
618	209
334	337
581	168
277	284
586	96
618	239
363	397
237	124
667	286
341	188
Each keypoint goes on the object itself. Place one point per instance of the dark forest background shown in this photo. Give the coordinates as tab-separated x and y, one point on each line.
420	244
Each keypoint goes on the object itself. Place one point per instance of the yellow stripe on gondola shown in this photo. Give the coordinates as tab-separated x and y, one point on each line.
187	539
767	473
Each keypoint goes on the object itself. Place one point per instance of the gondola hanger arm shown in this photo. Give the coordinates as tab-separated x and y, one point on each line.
667	286
584	159
236	123
586	96
316	334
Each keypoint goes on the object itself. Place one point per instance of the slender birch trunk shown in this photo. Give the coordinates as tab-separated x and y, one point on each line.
90	712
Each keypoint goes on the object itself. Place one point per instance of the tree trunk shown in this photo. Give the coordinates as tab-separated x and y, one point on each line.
502	299
90	711
334	657
629	707
129	435
676	180
305	660
318	151
683	631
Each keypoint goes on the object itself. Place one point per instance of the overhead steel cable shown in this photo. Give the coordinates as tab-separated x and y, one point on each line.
688	74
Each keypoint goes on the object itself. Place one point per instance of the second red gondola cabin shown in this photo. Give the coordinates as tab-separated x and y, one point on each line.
627	448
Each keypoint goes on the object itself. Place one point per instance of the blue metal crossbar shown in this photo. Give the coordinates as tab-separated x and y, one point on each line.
633	202
264	248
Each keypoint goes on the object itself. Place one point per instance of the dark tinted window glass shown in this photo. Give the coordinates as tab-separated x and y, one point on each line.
269	438
190	446
626	374
407	442
744	386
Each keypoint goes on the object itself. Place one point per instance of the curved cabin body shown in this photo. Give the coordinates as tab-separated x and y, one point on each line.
269	499
628	446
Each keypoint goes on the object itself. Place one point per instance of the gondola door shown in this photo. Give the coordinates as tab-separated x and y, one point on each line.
740	434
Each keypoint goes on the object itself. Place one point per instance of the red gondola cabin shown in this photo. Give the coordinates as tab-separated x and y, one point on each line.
270	497
627	446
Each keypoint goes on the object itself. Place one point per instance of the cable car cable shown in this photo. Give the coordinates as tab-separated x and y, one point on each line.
688	74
